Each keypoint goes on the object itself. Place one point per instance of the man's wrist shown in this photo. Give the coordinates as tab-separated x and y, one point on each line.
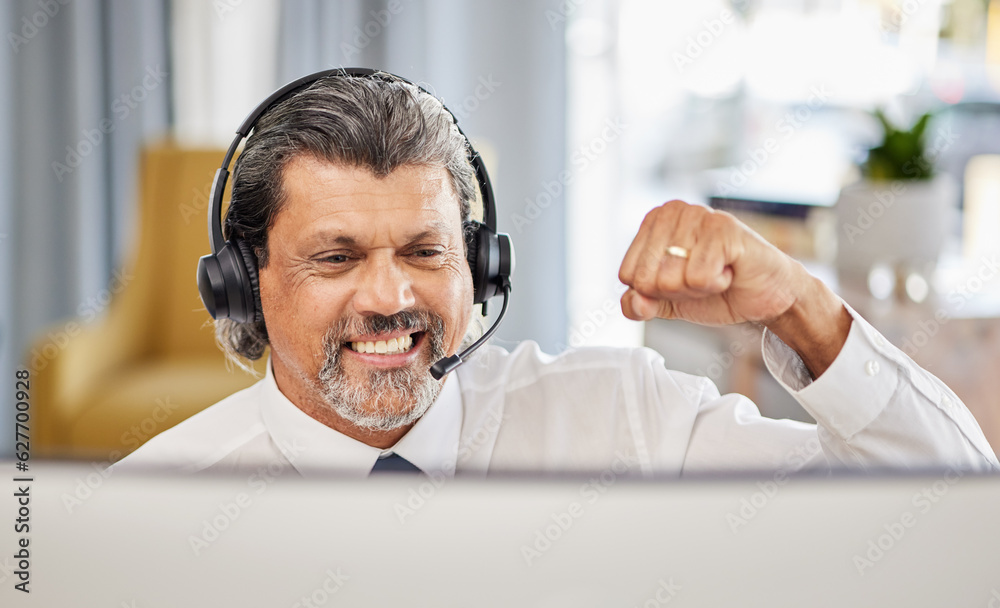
816	326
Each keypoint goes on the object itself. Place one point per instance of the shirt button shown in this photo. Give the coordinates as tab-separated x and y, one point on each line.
871	368
879	341
946	403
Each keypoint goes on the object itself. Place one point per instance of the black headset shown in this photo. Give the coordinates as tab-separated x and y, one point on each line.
227	278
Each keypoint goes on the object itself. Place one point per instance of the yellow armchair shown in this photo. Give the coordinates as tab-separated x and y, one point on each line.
101	389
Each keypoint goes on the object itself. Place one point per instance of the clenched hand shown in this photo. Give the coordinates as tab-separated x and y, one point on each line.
729	275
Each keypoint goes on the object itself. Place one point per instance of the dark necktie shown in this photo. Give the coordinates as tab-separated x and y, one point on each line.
394	463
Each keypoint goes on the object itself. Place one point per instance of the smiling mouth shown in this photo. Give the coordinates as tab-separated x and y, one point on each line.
393	346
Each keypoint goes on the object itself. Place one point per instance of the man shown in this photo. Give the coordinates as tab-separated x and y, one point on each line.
352	196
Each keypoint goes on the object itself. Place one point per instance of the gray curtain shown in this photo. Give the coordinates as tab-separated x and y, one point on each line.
82	84
7	153
500	66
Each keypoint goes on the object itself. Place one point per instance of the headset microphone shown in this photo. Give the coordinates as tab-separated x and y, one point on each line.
227	278
447	364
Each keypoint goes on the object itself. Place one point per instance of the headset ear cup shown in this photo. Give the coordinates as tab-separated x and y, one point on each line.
471	230
486	255
212	286
480	243
254	314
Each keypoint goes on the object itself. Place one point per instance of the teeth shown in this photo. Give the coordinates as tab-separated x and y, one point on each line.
384	347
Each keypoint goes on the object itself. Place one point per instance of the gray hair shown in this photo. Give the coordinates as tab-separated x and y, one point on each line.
377	123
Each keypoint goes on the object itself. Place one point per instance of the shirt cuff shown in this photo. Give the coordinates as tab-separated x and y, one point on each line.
853	391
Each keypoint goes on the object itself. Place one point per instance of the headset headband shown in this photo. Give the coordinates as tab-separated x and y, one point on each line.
216	239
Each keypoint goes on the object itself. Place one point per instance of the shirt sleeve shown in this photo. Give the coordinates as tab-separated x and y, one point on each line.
876	408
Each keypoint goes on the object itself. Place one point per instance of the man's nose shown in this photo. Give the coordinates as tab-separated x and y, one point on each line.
384	288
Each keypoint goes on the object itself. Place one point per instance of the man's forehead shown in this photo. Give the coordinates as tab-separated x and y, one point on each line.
309	177
330	202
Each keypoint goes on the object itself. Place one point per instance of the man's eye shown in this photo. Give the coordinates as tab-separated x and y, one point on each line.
426	253
336	259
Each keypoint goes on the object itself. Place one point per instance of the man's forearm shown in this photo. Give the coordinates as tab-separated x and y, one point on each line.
816	326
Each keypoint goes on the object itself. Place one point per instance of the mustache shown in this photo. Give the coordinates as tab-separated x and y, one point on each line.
405	320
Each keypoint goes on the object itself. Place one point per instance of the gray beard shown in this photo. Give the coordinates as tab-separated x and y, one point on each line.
385	399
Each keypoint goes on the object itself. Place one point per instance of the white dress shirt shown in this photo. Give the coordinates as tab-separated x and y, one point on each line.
594	409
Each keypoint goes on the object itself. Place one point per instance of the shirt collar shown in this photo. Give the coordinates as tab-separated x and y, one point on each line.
314	448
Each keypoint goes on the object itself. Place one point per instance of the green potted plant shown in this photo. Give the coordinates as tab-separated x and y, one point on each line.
900	212
901	155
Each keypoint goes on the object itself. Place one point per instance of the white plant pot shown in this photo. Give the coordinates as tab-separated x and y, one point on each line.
902	224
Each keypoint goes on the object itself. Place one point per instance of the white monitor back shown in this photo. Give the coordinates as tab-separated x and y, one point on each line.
278	540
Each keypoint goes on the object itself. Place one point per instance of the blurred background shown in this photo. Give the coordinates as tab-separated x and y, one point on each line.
588	112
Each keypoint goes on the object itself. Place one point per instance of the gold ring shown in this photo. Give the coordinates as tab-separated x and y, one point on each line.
678	252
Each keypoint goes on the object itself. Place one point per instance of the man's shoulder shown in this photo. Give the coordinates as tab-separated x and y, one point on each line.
204	438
